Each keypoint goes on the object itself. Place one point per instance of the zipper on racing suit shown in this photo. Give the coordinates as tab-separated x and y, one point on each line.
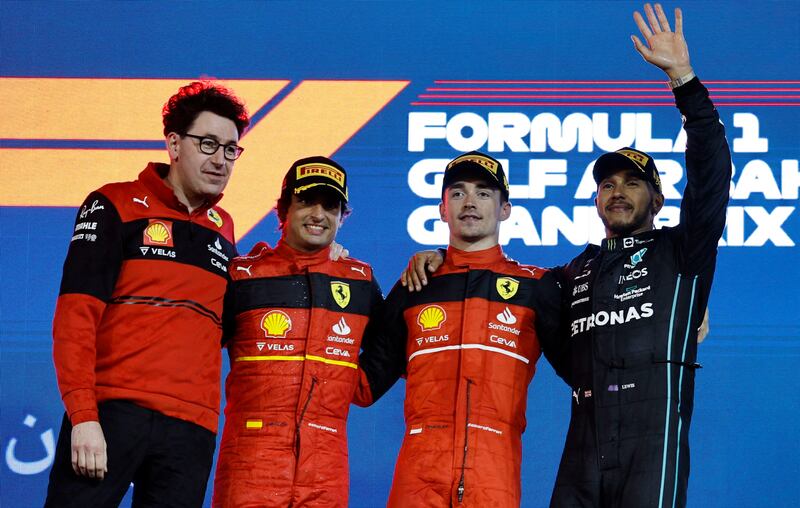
466	441
302	414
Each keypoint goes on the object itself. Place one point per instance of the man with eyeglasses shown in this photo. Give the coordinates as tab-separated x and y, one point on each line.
138	322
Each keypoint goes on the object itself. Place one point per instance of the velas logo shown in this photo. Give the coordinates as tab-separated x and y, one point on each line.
276	324
319	169
431	318
158	233
214	217
78	139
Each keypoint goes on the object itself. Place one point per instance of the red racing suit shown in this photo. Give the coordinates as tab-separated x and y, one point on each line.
138	316
468	345
294	329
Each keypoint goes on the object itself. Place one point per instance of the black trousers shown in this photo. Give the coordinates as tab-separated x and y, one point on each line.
167	459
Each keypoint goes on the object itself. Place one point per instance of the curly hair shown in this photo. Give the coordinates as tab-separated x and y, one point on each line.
181	110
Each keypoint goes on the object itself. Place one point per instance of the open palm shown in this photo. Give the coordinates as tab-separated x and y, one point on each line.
665	49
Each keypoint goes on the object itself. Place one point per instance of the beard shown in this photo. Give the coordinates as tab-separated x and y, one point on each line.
641	221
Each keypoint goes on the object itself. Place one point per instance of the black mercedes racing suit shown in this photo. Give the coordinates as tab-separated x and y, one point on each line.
633	306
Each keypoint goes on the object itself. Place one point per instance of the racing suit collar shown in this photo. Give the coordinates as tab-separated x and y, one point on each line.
299	258
457	257
629	242
152	178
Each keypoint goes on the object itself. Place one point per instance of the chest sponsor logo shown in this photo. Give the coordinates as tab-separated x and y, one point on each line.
157	251
158	233
274	346
633	275
580	288
506	287
431	318
335	351
506	317
340	331
627	242
216	249
276	324
341	327
632	293
603	318
503	341
214	217
433	339
637	258
341	293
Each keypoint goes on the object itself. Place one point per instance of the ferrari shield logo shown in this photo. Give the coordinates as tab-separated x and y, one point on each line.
507	287
341	293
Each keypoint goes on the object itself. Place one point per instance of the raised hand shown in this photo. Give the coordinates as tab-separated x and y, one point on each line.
665	49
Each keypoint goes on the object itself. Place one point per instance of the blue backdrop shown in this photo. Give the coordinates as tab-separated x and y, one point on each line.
545	86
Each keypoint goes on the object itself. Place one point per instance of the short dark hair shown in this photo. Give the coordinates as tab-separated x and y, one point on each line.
181	110
285	199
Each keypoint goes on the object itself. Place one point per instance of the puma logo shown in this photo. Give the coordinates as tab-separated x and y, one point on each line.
245	269
142	201
359	269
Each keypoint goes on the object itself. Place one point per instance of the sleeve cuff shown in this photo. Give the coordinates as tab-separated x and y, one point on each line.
81	406
690	87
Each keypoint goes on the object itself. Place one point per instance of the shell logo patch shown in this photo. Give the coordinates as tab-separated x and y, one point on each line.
507	287
431	317
214	217
276	324
158	232
341	293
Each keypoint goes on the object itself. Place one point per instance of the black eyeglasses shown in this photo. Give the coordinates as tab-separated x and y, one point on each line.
209	146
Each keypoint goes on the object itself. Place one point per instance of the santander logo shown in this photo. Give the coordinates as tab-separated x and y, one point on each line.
506	317
341	327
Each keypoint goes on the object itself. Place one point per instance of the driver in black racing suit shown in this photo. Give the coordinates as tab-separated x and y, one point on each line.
633	306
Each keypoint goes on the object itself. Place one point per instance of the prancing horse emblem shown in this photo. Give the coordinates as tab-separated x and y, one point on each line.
341	293
507	287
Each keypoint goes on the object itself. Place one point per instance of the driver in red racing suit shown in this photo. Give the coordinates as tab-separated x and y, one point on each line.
468	346
294	327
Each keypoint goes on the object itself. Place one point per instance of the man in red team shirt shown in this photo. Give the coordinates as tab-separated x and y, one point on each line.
138	321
